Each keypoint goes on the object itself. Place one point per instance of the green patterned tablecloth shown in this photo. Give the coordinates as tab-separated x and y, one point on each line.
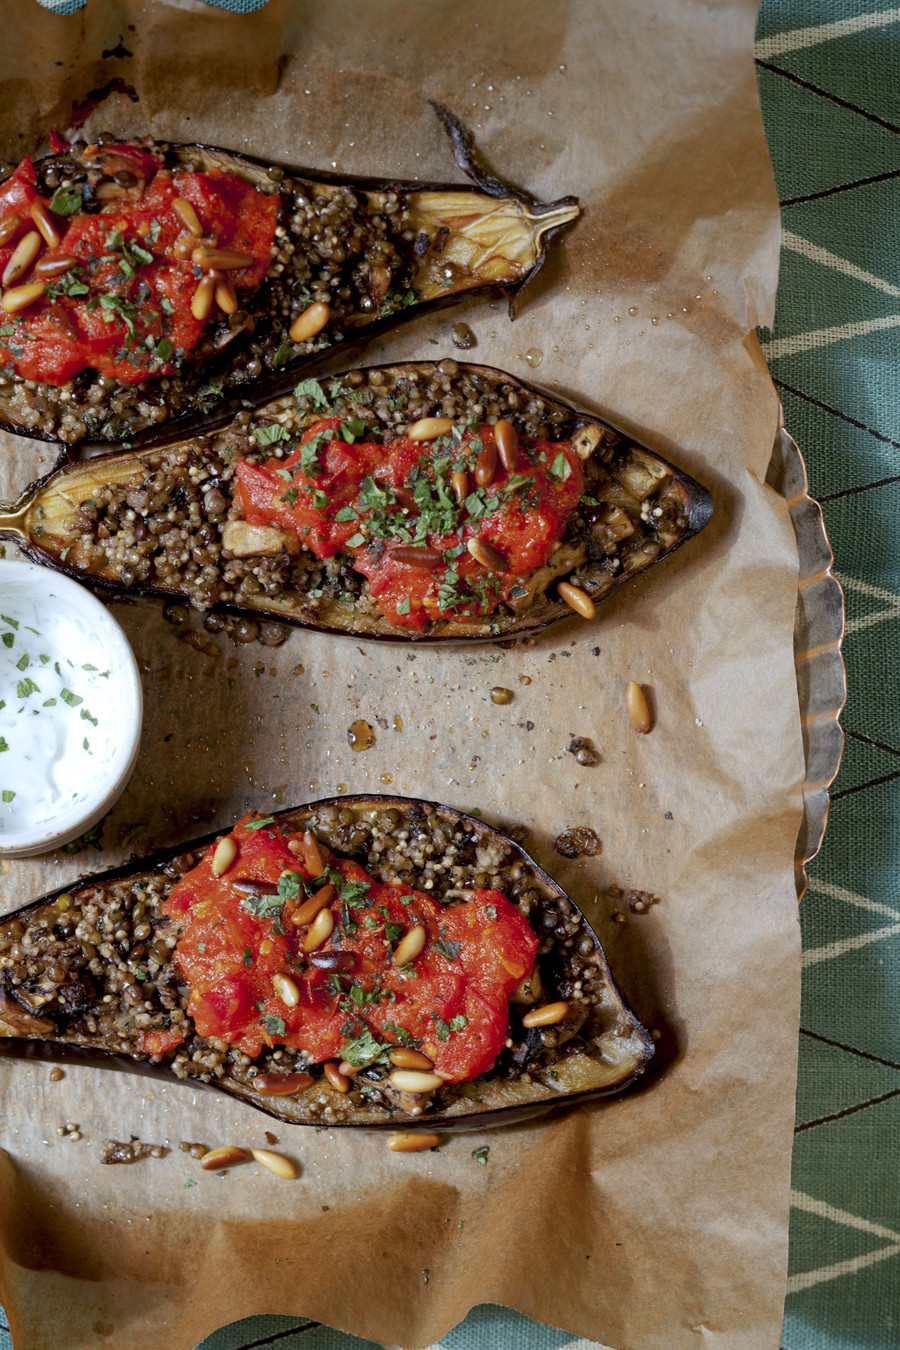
828	78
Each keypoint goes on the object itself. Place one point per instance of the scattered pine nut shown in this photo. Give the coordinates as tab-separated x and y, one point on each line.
227	1155
320	931
44	221
313	906
224	259
577	599
507	445
412	1143
8	228
226	296
45	268
310	322
487	555
547	1016
224	855
460	485
184	212
276	1162
412	1080
286	990
501	695
202	303
340	1081
24	254
406	1058
20	297
410	945
429	428
281	1084
313	857
486	464
636	707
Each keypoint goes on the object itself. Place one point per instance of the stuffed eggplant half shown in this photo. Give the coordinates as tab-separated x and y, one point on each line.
360	961
418	501
141	282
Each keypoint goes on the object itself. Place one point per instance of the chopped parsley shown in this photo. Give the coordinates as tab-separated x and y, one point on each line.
274	1025
481	1154
448	950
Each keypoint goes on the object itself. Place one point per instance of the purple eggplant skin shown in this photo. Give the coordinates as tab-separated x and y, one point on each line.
42	522
245	356
623	1034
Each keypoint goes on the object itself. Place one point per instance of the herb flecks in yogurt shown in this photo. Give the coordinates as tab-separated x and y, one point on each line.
48	760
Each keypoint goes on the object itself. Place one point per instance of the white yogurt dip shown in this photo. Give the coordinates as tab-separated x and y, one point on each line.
69	708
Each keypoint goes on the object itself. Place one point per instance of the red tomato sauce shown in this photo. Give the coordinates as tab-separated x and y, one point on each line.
124	307
339	494
451	1002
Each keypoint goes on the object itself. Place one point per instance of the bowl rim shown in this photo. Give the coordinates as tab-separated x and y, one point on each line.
110	781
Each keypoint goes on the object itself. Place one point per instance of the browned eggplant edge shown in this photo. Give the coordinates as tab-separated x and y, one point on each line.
277	382
21	1048
697	498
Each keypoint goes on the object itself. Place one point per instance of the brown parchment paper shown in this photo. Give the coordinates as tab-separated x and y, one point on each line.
654	1221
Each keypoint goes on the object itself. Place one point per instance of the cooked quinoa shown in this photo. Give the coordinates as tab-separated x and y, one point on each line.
95	966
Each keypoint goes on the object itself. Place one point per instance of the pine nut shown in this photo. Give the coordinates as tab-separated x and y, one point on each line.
486	464
320	931
406	499
486	554
276	1162
20	297
410	945
338	1080
412	1143
577	599
507	445
313	906
184	213
313	858
24	254
410	1080
429	428
348	1070
224	855
225	259
44	221
636	706
286	990
310	322
546	1016
404	1057
8	228
412	556
45	268
281	1084
202	303
63	323
184	246
460	485
226	296
225	1156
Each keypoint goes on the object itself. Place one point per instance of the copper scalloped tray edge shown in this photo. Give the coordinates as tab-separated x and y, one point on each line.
818	634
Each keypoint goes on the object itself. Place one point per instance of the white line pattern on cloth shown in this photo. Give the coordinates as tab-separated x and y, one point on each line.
824	337
807	249
876	593
798	38
823	1210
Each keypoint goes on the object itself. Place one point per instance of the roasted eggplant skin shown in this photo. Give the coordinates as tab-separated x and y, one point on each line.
618	1058
246	352
653	507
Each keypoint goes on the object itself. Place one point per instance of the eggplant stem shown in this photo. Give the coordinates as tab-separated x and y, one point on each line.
13	515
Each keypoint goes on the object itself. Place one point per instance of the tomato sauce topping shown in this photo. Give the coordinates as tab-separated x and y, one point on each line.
123	306
340	493
237	933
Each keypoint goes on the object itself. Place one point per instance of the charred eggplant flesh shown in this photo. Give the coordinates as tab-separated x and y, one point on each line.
435	501
361	961
143	282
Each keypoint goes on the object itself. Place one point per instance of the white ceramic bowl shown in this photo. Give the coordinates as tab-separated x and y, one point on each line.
70	710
